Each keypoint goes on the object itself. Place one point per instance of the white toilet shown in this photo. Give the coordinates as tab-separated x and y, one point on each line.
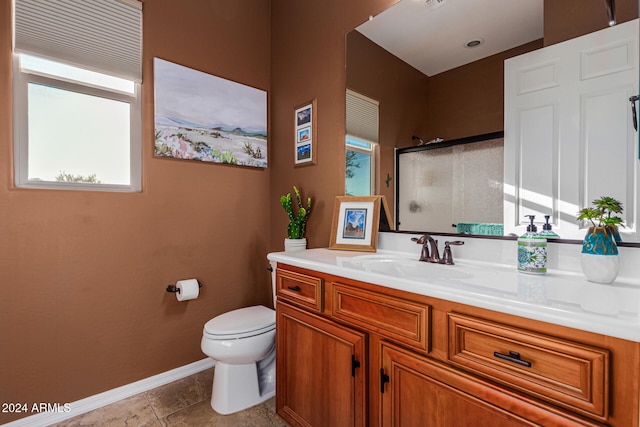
243	344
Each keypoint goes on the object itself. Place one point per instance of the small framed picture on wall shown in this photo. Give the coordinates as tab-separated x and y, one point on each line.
305	134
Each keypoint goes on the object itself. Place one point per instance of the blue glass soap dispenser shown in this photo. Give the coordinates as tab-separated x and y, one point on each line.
532	250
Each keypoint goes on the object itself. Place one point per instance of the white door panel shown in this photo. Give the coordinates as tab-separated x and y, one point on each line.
569	138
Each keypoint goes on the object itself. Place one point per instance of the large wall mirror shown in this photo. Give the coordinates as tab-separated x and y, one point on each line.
436	68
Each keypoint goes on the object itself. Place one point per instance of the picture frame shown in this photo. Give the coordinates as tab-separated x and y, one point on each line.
386	220
305	144
193	119
355	223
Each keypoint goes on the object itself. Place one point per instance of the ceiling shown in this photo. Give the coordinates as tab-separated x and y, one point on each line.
431	35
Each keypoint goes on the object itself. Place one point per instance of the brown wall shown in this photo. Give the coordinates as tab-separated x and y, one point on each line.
583	16
469	100
83	306
308	61
401	91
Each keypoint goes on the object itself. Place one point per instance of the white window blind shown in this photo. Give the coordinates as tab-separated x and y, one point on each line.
103	35
362	117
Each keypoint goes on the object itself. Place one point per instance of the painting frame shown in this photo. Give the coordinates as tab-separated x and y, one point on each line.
355	223
386	220
305	134
207	118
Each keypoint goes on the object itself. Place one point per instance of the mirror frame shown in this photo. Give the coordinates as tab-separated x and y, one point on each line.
450	143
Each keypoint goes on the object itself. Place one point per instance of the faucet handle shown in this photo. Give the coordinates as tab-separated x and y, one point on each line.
423	240
447	257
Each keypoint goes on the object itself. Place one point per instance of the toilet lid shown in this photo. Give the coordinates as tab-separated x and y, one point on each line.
243	321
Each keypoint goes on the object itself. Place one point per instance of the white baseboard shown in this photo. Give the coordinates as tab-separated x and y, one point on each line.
111	396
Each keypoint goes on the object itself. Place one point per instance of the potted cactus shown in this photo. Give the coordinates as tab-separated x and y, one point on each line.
599	256
295	240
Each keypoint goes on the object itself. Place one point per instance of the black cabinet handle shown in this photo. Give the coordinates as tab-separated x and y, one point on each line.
384	378
354	364
295	288
513	357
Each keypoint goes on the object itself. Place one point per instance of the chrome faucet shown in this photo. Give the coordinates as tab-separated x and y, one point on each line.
430	251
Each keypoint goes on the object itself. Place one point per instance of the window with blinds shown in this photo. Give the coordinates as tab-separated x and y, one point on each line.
77	87
361	144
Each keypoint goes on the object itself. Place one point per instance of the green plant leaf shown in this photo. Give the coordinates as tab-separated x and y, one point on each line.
600	214
297	221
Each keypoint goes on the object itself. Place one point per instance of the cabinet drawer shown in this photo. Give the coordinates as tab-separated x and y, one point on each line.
400	320
565	373
300	289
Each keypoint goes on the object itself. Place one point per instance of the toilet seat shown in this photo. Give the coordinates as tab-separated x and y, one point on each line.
241	323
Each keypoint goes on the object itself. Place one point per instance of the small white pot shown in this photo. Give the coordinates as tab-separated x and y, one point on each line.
600	268
293	245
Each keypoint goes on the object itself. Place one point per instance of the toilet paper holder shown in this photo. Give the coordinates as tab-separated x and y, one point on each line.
172	288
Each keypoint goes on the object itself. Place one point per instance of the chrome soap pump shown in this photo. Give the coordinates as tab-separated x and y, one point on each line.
532	250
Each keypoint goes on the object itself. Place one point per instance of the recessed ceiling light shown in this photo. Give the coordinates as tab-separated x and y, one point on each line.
474	43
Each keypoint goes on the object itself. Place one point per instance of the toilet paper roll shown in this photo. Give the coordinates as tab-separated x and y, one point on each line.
189	289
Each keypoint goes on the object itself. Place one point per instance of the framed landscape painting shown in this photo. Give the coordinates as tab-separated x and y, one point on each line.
202	117
355	223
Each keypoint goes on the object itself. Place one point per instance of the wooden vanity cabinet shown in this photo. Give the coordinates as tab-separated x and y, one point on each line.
422	392
320	370
428	362
303	289
564	373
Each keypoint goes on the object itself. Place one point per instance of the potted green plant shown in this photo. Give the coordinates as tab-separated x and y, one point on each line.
295	240
599	258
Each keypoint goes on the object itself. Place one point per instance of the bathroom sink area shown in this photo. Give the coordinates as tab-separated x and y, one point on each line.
465	276
560	297
406	267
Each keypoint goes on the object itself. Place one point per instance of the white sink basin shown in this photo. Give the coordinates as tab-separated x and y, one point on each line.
428	270
399	266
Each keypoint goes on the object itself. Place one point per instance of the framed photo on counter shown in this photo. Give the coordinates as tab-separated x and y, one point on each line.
355	223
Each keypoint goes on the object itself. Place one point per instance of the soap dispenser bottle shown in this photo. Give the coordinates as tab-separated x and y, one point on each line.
532	250
547	231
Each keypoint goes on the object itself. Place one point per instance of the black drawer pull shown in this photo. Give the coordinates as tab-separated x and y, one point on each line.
514	357
295	288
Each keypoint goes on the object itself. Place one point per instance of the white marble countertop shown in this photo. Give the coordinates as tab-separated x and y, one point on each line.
561	298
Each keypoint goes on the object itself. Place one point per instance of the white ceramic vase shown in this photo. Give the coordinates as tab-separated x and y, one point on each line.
293	245
600	268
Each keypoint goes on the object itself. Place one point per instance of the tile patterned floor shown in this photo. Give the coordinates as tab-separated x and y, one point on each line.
185	402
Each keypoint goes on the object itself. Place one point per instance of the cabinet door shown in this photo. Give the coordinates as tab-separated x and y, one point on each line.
321	370
417	391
